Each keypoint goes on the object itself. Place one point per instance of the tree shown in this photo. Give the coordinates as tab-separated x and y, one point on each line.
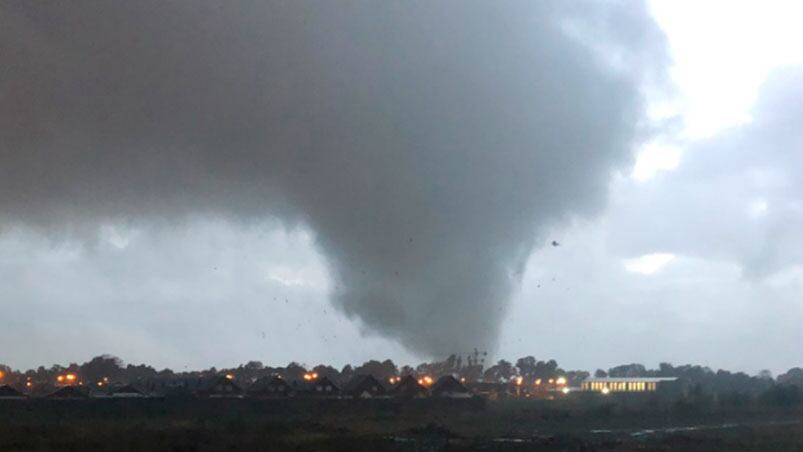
527	366
379	370
793	376
502	371
101	367
328	372
347	373
548	369
628	371
784	396
293	371
576	377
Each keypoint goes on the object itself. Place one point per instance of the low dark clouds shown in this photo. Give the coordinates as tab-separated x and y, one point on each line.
425	144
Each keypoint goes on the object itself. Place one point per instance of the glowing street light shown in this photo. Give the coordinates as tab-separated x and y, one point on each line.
561	381
605	390
565	390
229	377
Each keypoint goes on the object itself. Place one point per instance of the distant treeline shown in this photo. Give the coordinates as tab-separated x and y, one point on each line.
703	381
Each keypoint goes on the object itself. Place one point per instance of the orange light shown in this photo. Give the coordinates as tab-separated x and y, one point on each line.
462	379
105	379
308	377
561	381
29	384
100	383
71	377
551	380
519	381
538	381
60	378
229	377
2	374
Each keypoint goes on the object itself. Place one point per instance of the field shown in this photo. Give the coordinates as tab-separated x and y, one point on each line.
392	425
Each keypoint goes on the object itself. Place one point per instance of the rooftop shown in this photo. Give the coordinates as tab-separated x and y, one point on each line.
629	379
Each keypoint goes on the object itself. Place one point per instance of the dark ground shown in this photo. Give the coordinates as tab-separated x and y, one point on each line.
388	425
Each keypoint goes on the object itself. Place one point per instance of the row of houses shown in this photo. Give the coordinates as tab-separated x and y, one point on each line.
363	386
225	386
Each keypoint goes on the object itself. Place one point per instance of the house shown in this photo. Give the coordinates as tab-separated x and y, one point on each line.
68	393
490	390
365	387
178	392
448	386
9	393
271	387
324	387
408	387
221	387
126	392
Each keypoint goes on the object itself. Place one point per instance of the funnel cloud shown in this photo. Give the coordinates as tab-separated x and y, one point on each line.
426	145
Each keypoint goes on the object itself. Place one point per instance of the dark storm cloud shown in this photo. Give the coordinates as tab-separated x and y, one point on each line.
735	197
425	143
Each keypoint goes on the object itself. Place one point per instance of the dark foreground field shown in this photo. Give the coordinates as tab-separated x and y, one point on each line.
387	425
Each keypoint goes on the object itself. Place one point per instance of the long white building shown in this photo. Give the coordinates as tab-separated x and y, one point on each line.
634	384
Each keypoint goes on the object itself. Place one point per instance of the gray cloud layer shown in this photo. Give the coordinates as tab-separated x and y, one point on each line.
736	197
425	144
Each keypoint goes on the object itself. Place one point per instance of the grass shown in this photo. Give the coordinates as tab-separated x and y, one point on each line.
379	425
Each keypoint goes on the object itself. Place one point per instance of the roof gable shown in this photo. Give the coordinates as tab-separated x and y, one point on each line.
325	386
449	385
68	392
363	384
7	392
271	386
408	386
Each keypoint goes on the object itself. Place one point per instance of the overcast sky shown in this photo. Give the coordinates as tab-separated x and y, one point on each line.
330	185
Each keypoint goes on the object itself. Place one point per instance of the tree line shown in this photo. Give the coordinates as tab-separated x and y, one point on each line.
721	384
